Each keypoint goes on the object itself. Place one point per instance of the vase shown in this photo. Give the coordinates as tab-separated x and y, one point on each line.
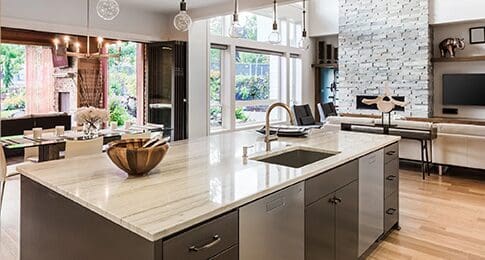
91	129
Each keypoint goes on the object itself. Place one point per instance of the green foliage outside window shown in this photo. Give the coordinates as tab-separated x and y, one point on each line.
122	83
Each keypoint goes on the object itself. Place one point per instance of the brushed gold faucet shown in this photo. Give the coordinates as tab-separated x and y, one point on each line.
270	138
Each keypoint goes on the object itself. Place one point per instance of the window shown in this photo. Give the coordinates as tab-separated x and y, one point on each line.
258	85
216	26
215	88
13	80
295	80
122	83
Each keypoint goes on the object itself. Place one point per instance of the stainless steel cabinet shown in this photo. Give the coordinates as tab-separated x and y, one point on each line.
332	222
273	227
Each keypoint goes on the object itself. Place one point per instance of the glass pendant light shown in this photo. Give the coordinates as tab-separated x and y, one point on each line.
236	30
275	36
182	20
108	9
304	42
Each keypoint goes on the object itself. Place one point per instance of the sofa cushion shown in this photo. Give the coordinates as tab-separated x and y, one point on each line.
461	129
413	124
337	120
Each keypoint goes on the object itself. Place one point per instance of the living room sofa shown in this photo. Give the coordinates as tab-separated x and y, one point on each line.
456	144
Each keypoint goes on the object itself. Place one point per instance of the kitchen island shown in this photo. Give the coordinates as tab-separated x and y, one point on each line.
195	204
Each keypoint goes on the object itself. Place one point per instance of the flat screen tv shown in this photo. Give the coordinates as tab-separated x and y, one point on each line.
464	89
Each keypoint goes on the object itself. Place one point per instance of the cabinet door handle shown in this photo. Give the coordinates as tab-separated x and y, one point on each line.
391	211
391	153
337	200
215	240
332	200
391	177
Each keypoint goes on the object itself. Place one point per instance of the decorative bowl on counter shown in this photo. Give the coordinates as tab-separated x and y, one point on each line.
130	156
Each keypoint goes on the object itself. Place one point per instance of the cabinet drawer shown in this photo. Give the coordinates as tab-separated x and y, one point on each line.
204	241
391	211
328	182
391	177
391	152
229	254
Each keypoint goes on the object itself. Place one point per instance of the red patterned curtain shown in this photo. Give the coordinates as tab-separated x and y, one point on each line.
39	80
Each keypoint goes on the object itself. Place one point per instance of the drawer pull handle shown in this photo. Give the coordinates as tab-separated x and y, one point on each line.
391	177
391	211
391	153
335	200
215	240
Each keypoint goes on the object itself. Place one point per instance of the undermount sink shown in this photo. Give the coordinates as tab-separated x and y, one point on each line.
296	157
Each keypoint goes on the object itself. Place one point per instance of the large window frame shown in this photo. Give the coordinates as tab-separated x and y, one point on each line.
290	91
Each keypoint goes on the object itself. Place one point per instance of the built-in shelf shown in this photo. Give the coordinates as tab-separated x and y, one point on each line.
325	65
459	59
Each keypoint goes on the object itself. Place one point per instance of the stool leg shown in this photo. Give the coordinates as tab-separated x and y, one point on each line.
422	159
428	166
1	194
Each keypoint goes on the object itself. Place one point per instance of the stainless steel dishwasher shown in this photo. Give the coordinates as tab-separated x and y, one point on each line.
272	228
371	199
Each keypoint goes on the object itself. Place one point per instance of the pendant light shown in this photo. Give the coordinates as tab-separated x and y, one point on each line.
236	30
108	9
182	20
304	42
275	36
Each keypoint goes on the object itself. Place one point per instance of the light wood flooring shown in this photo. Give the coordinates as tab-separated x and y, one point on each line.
441	218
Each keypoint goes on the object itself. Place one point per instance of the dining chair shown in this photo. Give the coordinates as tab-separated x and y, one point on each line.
303	115
76	148
4	175
31	154
136	136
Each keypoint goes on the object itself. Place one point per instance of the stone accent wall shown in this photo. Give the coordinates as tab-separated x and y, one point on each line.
385	41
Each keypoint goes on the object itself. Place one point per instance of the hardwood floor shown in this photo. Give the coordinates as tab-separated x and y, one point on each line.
441	218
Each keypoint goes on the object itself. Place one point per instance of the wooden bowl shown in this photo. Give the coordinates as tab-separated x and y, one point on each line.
130	156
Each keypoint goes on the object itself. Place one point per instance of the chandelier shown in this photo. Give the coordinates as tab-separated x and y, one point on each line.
64	50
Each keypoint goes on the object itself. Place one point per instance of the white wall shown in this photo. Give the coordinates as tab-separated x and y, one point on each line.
198	71
457	30
446	11
323	17
69	16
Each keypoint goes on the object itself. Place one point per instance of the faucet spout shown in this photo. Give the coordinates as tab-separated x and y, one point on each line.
268	138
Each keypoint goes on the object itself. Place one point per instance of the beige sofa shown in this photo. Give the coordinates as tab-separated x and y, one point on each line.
456	144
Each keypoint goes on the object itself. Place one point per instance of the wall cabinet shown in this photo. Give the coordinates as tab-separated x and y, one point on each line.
332	221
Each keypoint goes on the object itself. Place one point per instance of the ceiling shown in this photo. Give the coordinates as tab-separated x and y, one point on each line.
199	8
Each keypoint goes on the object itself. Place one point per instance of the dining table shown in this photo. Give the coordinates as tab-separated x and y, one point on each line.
50	145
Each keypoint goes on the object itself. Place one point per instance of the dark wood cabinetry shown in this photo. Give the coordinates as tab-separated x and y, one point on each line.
332	221
167	86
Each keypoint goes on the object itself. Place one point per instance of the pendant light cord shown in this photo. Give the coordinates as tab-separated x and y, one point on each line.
275	24
235	16
304	20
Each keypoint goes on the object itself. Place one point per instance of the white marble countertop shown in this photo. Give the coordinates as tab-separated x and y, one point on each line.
198	179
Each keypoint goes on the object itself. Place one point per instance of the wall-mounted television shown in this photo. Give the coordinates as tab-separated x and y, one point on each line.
464	89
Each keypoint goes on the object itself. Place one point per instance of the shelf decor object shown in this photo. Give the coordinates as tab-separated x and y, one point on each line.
275	35
108	9
131	157
477	35
449	46
182	20
236	30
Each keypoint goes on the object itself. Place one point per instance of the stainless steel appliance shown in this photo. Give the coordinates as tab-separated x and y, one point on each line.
371	199
273	227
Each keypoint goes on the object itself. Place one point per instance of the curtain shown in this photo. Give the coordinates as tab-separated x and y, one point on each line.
39	80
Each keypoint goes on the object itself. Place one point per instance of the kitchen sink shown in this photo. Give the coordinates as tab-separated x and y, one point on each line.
296	157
